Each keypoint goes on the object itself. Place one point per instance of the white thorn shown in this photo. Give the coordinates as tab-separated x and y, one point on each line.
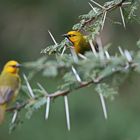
122	16
121	51
67	112
98	4
52	37
41	87
107	54
63	50
92	7
76	75
100	45
126	3
92	47
74	55
128	55
47	108
14	116
103	105
82	56
127	66
104	17
29	87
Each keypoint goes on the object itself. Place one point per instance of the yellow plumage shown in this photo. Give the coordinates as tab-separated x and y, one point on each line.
79	41
9	86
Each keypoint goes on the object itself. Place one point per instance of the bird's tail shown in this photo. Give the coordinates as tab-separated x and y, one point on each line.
2	113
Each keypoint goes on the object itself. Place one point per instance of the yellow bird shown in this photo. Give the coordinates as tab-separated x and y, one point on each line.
9	85
80	42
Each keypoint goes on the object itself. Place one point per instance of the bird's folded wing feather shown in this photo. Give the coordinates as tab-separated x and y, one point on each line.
6	94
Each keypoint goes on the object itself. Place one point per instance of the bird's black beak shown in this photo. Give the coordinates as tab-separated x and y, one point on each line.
65	35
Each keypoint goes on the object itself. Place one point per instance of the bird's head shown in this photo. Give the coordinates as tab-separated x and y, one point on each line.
11	67
74	36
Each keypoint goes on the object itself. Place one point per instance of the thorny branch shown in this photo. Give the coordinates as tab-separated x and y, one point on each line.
106	9
97	80
68	91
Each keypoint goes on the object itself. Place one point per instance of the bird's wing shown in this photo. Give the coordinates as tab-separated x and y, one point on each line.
6	94
85	37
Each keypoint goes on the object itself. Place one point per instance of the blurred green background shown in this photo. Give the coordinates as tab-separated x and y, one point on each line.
24	26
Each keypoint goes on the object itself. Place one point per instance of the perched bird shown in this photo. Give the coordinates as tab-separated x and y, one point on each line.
9	86
80	42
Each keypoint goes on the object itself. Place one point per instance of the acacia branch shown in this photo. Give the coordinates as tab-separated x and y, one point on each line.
18	106
68	91
82	84
106	9
55	94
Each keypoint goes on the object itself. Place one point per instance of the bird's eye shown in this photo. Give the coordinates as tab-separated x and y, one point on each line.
13	66
71	35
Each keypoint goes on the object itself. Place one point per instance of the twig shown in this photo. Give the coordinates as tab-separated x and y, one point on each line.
17	107
67	91
106	9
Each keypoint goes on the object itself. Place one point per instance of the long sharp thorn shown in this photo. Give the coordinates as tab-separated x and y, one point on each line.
126	3
121	51
48	101
98	4
103	105
101	50
47	108
104	17
122	16
107	54
67	112
92	7
128	55
74	55
82	56
41	87
63	50
14	116
52	37
92	47
76	75
29	87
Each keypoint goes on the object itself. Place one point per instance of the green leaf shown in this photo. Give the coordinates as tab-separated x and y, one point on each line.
34	106
50	69
106	91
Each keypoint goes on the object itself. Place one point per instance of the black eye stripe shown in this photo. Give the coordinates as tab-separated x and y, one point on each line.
14	66
71	35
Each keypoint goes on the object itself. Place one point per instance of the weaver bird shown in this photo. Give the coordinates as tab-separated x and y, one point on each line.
80	42
9	86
